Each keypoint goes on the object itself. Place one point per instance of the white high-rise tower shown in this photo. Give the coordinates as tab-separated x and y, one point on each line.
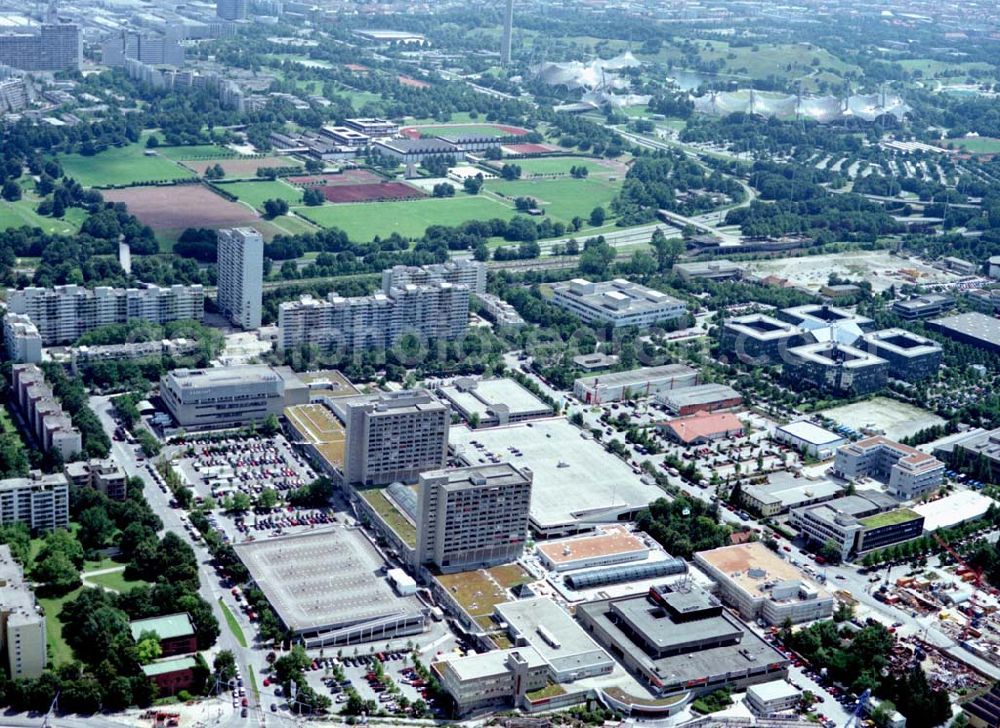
508	31
241	276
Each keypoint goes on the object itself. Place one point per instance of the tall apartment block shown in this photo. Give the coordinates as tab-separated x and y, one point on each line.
472	518
105	476
153	48
55	47
231	9
21	337
40	501
43	413
436	310
22	627
907	472
64	313
241	276
393	436
465	272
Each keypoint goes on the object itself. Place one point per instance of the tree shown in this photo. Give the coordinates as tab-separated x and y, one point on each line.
275	208
472	185
147	647
224	665
267	499
11	191
510	171
57	573
667	250
597	216
96	528
313	197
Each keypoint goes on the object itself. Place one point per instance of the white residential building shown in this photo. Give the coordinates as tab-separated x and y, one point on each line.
24	343
22	627
40	501
64	313
241	276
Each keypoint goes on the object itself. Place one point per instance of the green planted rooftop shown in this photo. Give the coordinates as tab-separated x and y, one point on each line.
890	518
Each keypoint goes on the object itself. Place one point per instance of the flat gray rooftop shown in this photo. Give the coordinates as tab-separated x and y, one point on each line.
538	620
639	376
322	580
575	479
487	393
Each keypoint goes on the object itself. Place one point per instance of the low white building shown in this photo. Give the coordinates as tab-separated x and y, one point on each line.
770	698
811	439
618	302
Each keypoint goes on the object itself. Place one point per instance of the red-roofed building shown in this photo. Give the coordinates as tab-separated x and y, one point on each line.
702	427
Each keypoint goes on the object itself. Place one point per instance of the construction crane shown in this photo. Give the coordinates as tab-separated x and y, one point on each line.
859	710
976	582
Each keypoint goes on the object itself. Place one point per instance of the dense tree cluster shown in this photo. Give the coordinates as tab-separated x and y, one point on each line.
684	525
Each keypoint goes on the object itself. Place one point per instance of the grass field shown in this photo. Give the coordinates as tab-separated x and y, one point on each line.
978	145
363	221
116	581
560	165
932	68
255	193
562	198
196	151
21	213
121	167
60	652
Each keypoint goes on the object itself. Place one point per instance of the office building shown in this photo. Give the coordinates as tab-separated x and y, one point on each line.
617	303
39	501
959	265
43	413
373	127
700	398
836	368
231	9
813	317
463	272
783	491
911	357
759	584
21	337
495	679
759	339
921	307
472	518
772	698
153	48
984	300
230	396
907	472
856	524
241	276
65	313
813	440
22	627
975	329
55	47
679	640
436	311
711	270
635	383
105	476
393	436
492	402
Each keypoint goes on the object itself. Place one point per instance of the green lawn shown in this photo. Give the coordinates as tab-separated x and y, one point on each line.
363	221
116	581
559	165
563	199
388	512
978	145
121	167
21	213
196	152
234	624
463	130
458	117
60	652
890	518
255	193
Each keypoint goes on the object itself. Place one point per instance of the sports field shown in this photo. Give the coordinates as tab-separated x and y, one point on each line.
255	193
562	198
561	165
493	130
21	213
195	151
121	167
363	221
978	145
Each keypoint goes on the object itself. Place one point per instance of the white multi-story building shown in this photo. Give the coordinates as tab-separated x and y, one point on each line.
491	679
908	472
43	413
54	47
618	302
393	436
241	276
64	313
22	627
436	310
466	272
24	343
472	518
40	501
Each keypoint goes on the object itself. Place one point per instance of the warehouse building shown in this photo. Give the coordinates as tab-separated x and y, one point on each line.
908	473
711	270
759	584
760	339
702	428
682	640
810	439
700	398
635	383
784	491
975	329
617	302
230	396
836	368
911	357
